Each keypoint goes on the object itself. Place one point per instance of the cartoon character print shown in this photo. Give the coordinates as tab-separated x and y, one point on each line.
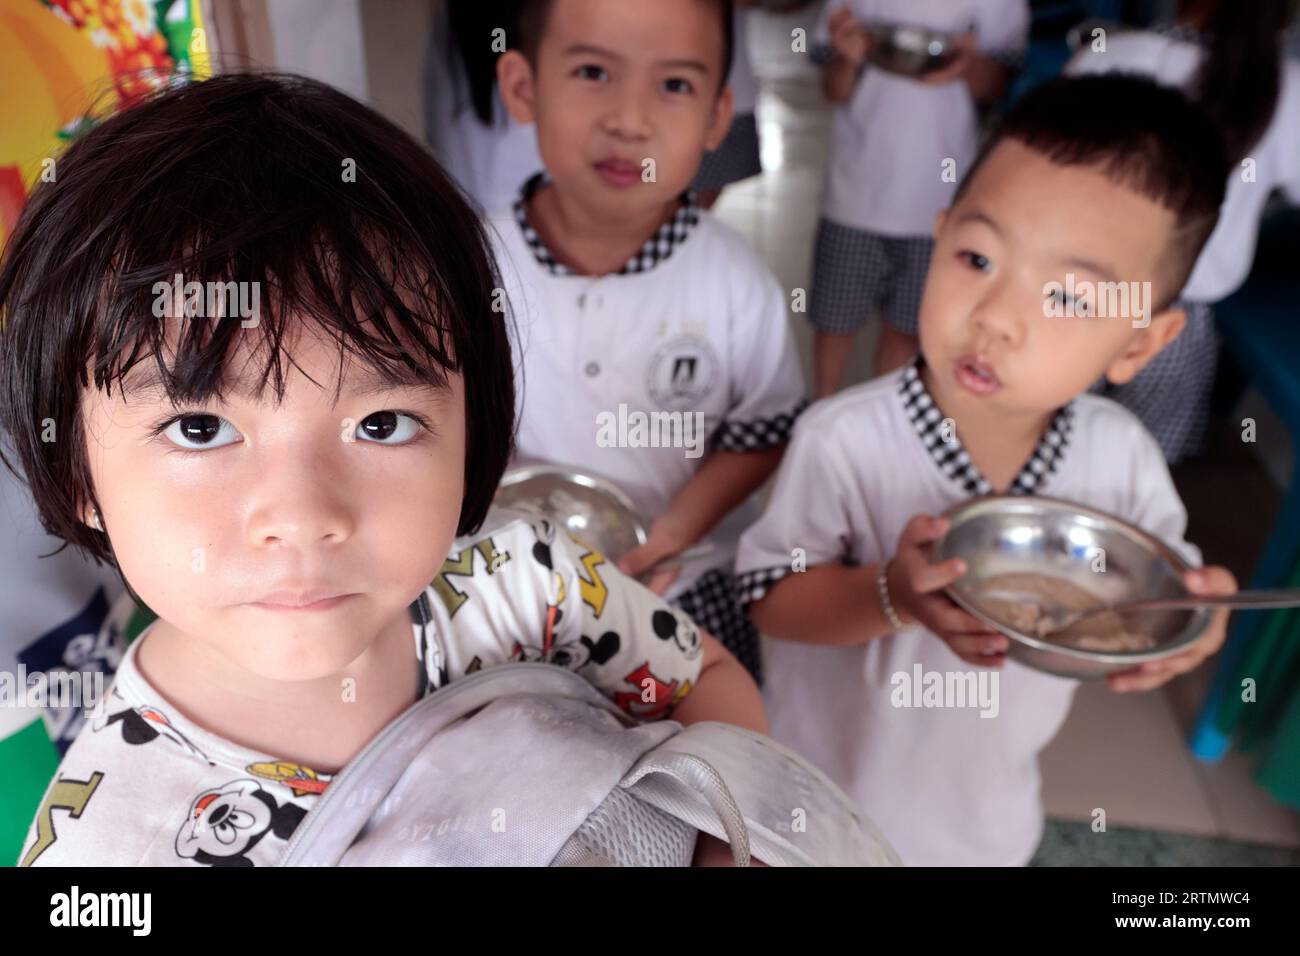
654	696
141	725
673	624
571	655
428	644
301	780
224	824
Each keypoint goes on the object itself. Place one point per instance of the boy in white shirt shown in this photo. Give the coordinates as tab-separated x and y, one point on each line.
654	345
898	146
1111	177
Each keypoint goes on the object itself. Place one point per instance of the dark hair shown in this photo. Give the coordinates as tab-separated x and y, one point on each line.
1147	137
534	14
470	36
243	178
1238	81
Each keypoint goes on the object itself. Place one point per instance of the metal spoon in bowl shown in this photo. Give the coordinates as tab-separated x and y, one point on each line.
1261	599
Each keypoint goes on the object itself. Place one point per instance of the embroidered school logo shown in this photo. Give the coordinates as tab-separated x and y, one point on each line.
682	372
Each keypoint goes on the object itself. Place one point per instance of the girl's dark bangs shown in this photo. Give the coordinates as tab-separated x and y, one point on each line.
371	291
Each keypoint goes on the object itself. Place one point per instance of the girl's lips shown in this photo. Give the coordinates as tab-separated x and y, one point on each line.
618	172
976	375
322	605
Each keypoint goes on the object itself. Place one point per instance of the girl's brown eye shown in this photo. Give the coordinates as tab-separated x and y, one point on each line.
199	432
388	428
380	425
200	428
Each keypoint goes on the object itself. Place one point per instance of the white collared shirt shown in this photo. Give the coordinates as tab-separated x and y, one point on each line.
694	324
891	140
946	786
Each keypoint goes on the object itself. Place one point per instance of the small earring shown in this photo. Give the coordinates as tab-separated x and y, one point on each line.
94	518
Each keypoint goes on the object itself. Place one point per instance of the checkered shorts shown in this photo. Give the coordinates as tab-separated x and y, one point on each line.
711	603
1172	394
856	272
736	158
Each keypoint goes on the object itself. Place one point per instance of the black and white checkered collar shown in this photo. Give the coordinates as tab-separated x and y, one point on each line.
951	457
654	251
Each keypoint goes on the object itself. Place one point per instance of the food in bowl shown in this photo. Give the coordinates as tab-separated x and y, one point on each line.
1038	601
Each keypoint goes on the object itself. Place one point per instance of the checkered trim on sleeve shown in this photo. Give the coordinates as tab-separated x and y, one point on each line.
752	585
759	434
656	249
952	458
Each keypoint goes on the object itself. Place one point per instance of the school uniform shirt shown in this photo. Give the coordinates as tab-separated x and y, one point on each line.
143	785
890	141
693	324
1173	59
945	785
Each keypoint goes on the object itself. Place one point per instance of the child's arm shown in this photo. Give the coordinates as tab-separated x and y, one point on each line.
833	604
725	480
724	692
850	45
828	604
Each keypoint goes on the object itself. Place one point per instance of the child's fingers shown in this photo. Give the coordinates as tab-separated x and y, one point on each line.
635	561
660	581
1154	673
984	660
1210	581
951	619
928	578
922	529
978	645
1124	682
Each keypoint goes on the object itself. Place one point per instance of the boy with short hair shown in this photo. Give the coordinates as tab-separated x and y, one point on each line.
635	308
1111	178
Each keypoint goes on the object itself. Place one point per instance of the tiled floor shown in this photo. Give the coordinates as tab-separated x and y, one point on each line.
1124	753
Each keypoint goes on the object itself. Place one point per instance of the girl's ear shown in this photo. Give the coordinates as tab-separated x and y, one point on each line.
518	88
724	110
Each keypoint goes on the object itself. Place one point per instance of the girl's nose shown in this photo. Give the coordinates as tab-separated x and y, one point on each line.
300	508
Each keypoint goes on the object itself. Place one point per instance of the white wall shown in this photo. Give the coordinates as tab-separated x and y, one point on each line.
321	39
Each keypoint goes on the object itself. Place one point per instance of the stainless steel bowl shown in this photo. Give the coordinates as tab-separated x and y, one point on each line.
593	509
908	49
1083	547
